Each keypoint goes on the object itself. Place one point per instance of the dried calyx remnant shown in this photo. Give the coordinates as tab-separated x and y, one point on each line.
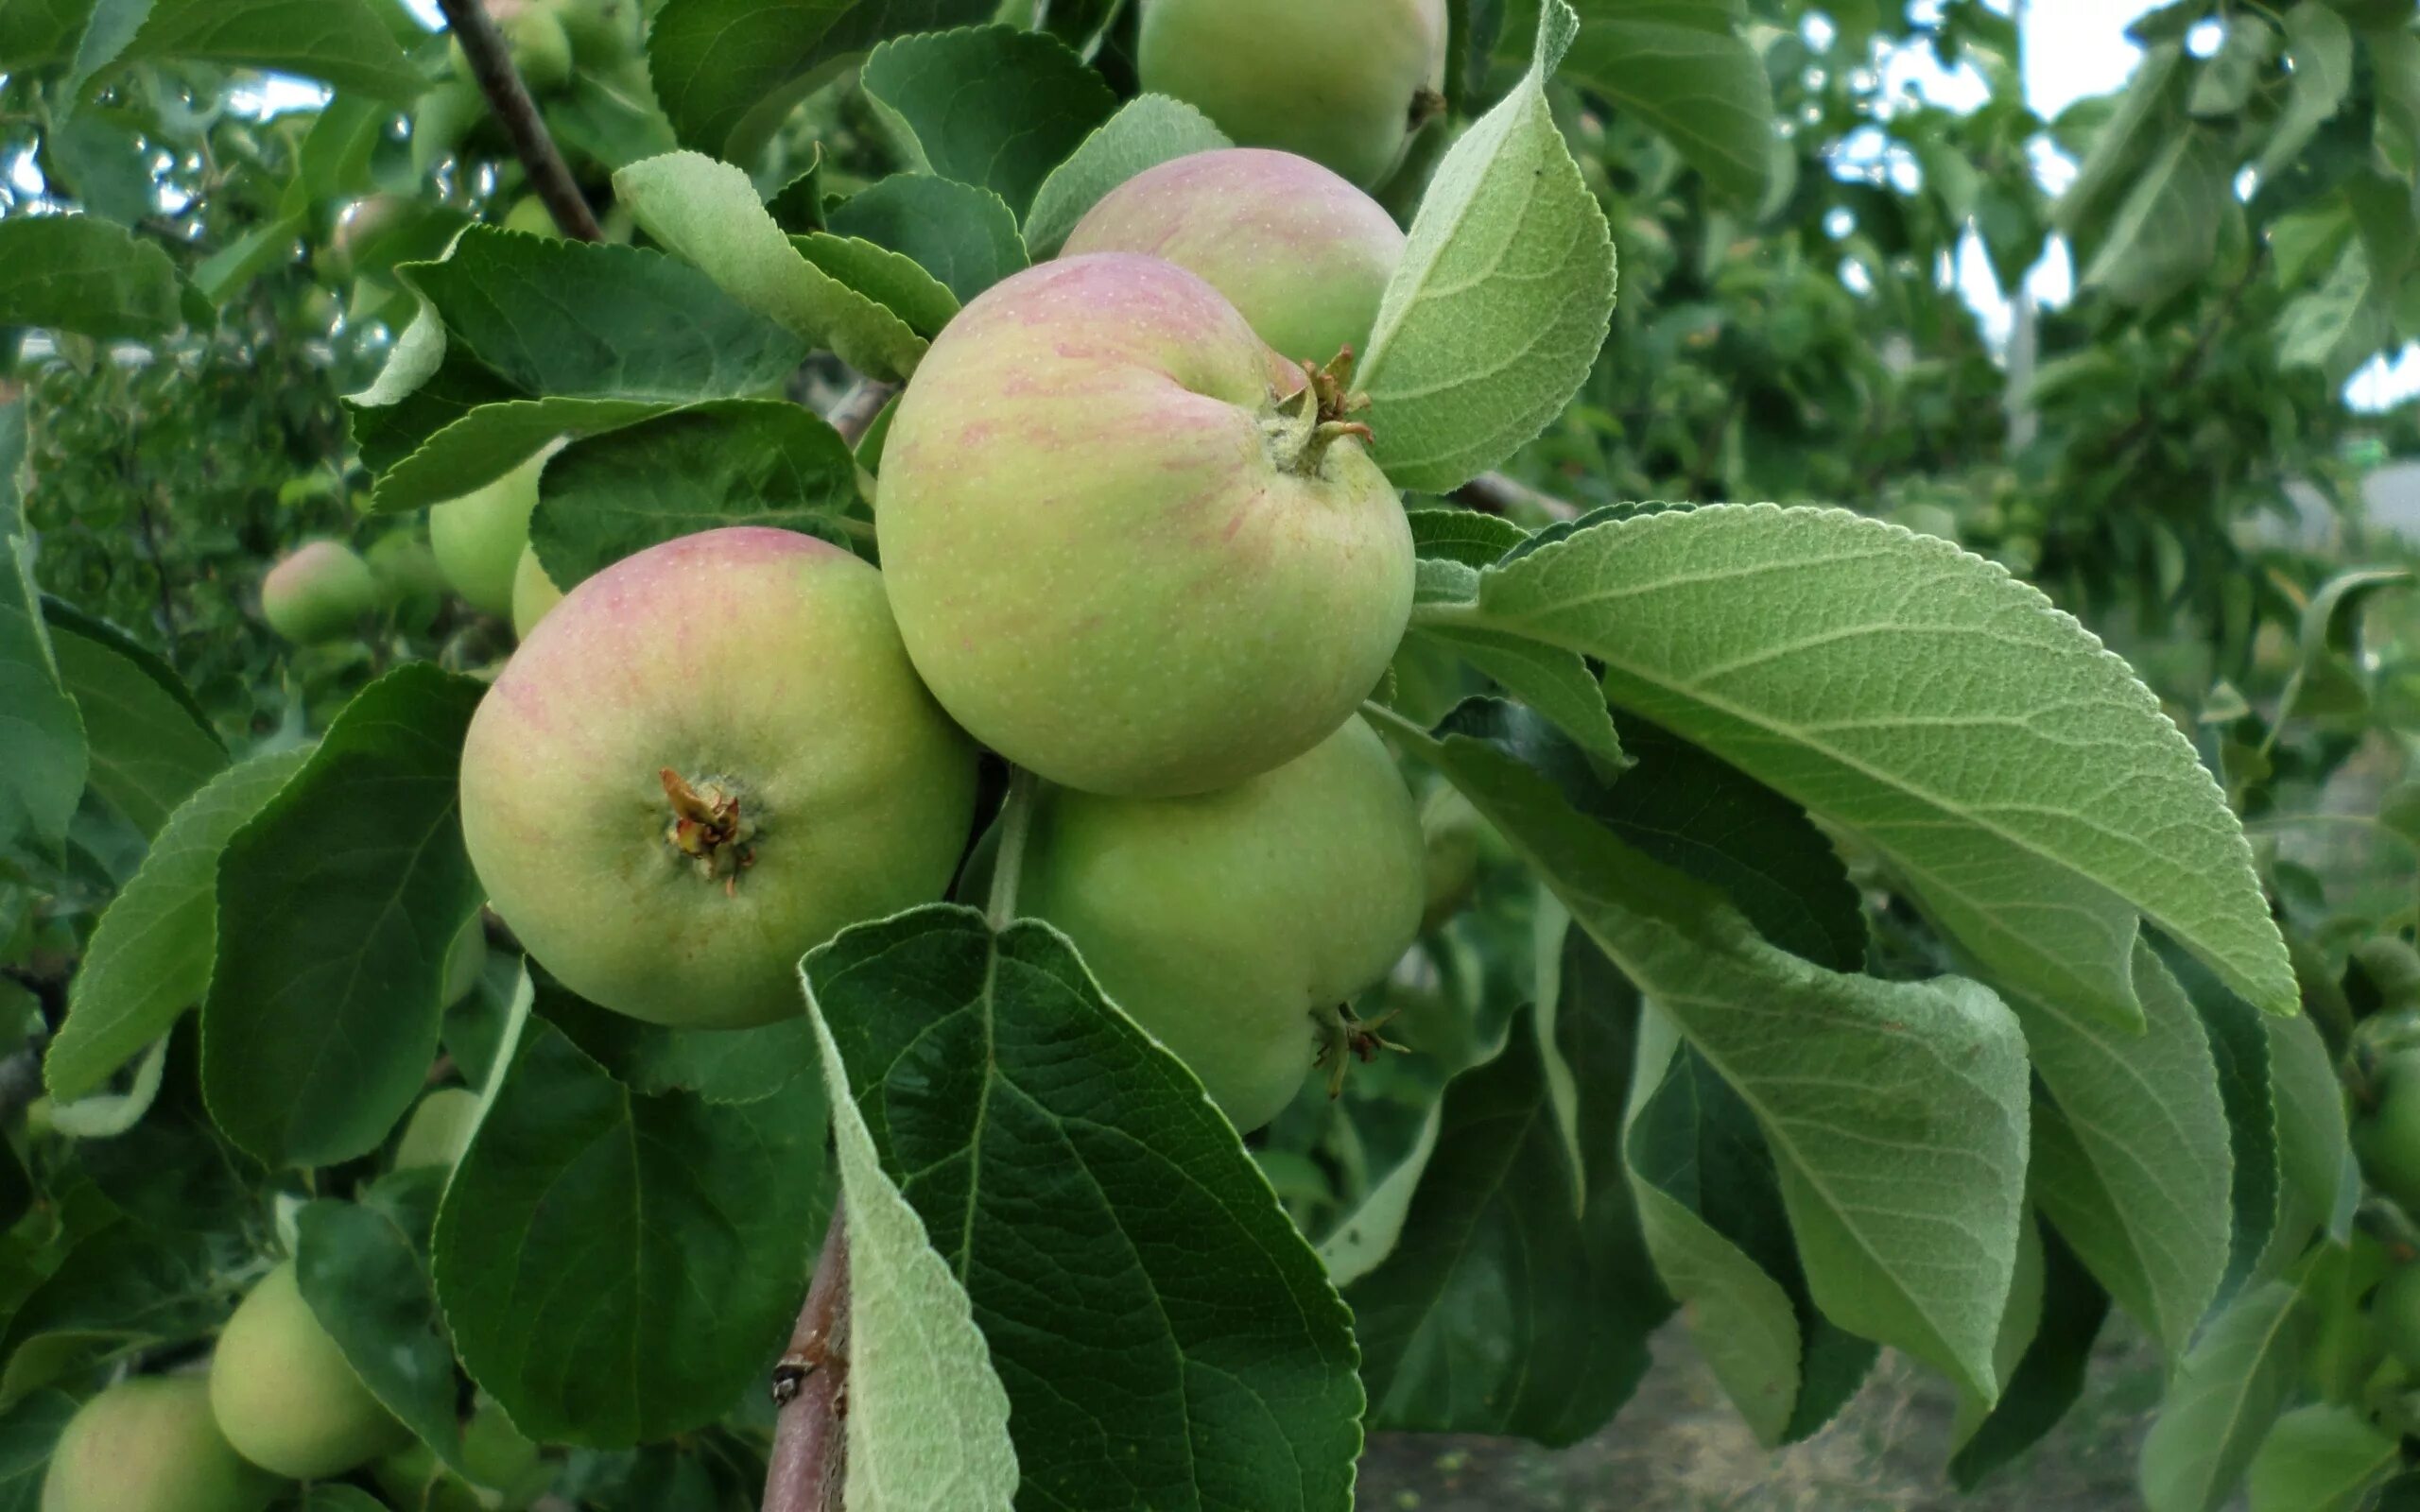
1312	418
1345	1038
709	827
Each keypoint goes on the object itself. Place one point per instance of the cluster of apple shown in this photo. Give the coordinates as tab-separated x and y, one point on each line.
1134	542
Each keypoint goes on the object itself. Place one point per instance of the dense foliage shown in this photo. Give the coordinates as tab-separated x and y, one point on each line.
1821	935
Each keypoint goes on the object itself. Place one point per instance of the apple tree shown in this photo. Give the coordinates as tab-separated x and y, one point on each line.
1014	753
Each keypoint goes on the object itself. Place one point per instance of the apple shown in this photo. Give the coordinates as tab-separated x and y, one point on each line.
1343	82
540	49
530	217
320	591
284	1395
439	1130
359	225
149	1444
1231	925
2394	1310
480	536
711	757
1130	547
2388	1140
534	593
511	1472
603	33
407	570
1304	255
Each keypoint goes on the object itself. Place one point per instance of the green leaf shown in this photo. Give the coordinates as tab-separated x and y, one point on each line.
492	440
590	320
991	106
1682	66
2239	1046
1554	683
732	68
2313	1144
928	1417
2321	1458
1840	660
964	236
363	1273
2223	81
709	213
28	1430
100	157
1167	1337
1492	1314
229	270
1495	316
1867	1090
613	120
2226	1394
2166	231
122	1287
151	954
2140	124
737	462
2131	1162
718	1065
619	1269
336	903
85	274
1468	537
2049	1376
150	745
1146	131
890	279
338	42
42	756
2337	326
337	1497
2321	45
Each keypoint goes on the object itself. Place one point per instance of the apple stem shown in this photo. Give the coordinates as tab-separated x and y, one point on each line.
807	1473
1016	824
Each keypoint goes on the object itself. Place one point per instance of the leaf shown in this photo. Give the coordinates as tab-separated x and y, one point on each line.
1492	1315
591	320
2166	231
42	755
2225	1396
28	1430
363	1273
328	1496
1837	659
2135	129
1682	66
890	279
122	1287
492	440
85	274
1554	683
338	42
108	26
726	68
2321	45
1506	289
2132	1161
1165	1336
734	462
2313	1144
229	270
928	1417
2321	1458
2240	1045
150	747
1868	1091
991	106
1468	537
708	213
336	903
1146	131
718	1065
2049	1376
2224	83
964	236
618	1268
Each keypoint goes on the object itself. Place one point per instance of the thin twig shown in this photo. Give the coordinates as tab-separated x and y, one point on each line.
810	1390
492	65
1495	494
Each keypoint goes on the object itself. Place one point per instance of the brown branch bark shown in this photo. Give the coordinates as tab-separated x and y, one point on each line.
492	65
859	407
1495	494
810	1390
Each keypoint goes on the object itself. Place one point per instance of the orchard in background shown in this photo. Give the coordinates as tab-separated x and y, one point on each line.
1010	754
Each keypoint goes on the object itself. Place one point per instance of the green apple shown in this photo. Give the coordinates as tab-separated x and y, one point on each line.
439	1130
530	217
2388	1140
534	593
540	47
711	757
1130	548
511	1472
283	1394
149	1444
1231	925
1304	255
358	227
407	570
480	536
1342	82
2394	1310
321	592
603	33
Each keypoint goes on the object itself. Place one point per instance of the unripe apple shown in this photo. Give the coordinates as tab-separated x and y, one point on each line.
1231	925
534	593
480	536
541	50
321	592
2394	1310
407	570
359	224
1304	255
149	1444
530	217
2388	1140
1342	82
283	1394
710	758
439	1130
603	33
1130	548
509	1472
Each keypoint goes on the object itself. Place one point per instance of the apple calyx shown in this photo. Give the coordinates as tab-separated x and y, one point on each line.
1346	1039
1426	105
1313	419
709	829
